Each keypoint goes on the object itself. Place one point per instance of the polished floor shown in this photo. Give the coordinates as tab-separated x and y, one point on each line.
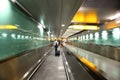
51	69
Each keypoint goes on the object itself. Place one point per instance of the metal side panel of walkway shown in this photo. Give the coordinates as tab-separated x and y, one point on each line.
51	69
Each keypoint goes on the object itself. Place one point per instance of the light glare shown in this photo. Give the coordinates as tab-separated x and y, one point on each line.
96	35
116	33
91	36
104	35
22	37
4	34
41	29
12	35
13	1
4	6
117	15
63	25
87	36
18	36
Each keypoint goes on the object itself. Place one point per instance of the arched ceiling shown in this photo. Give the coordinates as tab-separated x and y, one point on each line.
52	13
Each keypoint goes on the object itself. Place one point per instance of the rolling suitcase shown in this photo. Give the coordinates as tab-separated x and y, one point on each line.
57	53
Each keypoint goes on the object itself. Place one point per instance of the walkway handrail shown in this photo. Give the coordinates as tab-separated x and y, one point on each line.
34	68
68	72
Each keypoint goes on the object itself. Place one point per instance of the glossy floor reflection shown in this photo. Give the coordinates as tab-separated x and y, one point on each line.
51	69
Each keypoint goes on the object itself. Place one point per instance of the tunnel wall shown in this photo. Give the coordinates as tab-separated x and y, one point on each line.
27	36
102	42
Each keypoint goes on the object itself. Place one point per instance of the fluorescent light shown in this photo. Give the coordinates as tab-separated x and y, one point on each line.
86	27
13	1
40	26
91	27
76	27
117	15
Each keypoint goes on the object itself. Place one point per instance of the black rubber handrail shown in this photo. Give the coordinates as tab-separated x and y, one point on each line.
35	67
67	68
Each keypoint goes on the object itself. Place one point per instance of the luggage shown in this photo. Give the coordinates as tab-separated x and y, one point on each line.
57	53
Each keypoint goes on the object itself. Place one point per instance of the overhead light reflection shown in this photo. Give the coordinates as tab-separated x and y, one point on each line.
116	33
25	75
104	35
40	26
91	36
87	37
63	25
96	36
13	36
4	34
22	37
18	36
60	67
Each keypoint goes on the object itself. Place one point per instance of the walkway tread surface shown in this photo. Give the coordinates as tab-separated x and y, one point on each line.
51	69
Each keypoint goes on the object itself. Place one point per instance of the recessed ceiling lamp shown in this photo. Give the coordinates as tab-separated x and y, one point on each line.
13	1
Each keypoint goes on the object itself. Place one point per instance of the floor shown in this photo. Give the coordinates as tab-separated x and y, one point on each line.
51	69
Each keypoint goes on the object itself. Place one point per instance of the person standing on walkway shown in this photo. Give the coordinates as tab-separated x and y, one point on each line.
56	45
